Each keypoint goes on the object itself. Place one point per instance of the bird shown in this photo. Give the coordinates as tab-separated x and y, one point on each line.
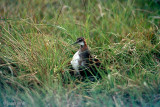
83	63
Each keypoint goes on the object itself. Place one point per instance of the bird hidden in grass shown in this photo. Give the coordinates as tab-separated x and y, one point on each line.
83	65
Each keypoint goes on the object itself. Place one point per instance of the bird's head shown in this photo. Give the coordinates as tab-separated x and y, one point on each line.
80	41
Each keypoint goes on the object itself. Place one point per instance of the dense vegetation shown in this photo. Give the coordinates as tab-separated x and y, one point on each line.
35	38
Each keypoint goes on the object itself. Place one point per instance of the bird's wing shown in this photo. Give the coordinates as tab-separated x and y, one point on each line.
96	62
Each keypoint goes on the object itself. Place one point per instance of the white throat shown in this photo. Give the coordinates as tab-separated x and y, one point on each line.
81	43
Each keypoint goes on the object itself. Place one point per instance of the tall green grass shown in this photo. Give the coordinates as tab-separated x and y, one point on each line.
35	48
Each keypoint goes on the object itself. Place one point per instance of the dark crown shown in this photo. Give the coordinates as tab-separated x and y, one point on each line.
80	39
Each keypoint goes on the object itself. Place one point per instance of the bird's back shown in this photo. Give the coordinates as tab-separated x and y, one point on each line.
90	65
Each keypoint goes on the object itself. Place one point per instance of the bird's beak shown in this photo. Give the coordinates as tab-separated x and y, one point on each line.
75	43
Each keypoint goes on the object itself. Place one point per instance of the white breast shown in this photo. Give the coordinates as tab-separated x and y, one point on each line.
75	61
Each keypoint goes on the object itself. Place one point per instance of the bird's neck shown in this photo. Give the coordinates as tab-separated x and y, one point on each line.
83	47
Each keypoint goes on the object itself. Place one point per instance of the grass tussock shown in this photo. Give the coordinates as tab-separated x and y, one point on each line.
35	38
